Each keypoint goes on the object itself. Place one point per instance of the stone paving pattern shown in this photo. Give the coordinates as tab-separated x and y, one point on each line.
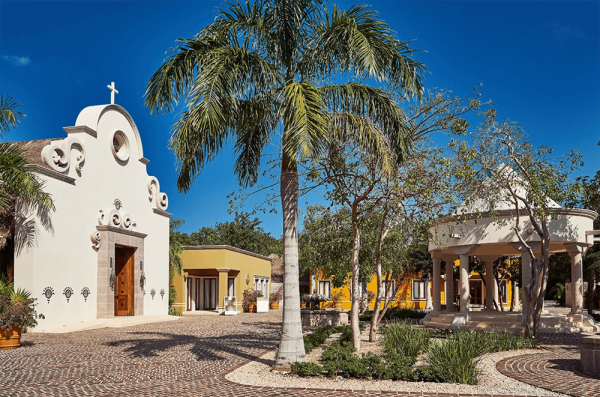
559	370
188	357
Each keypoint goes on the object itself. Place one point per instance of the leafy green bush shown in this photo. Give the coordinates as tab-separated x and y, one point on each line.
402	339
454	360
395	314
338	352
320	335
306	369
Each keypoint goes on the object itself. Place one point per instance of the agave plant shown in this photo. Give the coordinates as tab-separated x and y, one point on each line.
7	288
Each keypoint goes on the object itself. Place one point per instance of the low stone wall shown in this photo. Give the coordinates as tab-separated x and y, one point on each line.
322	318
590	353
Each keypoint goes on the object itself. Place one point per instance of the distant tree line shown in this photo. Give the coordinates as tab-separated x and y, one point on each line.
243	232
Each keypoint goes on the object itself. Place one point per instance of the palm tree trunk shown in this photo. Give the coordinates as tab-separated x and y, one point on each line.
291	346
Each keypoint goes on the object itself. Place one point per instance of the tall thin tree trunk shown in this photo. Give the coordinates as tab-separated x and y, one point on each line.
515	295
354	321
291	346
375	317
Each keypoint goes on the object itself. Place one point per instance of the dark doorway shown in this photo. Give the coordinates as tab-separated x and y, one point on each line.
124	282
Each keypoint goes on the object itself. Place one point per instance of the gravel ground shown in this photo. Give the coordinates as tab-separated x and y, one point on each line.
491	381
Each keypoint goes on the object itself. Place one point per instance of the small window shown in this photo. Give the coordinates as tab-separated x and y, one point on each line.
324	287
418	290
120	146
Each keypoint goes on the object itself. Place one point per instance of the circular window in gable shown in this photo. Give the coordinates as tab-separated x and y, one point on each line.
120	146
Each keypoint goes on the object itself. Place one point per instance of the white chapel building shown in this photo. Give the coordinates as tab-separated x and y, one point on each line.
105	251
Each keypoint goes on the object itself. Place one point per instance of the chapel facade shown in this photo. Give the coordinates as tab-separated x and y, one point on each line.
104	251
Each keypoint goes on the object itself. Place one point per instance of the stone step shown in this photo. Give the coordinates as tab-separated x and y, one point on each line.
433	324
495	324
471	327
444	320
573	330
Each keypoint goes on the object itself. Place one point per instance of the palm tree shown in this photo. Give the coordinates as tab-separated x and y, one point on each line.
21	192
268	66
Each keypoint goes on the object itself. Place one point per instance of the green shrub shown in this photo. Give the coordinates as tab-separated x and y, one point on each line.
454	360
395	314
306	369
320	335
338	352
402	339
401	367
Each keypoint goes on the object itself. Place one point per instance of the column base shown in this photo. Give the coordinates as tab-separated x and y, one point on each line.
489	309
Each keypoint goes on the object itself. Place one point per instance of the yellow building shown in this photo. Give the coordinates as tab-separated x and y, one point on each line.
411	294
212	272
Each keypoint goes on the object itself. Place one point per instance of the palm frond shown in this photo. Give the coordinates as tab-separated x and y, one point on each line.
372	113
305	120
10	113
256	121
358	42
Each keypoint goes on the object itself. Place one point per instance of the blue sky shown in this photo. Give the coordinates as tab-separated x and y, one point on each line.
539	61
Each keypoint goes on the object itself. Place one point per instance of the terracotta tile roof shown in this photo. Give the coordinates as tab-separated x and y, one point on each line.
32	150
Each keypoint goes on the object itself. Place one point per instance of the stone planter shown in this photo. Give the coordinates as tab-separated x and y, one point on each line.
590	353
322	318
274	305
10	338
262	306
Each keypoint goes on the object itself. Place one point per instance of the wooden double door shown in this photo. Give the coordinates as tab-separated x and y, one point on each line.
124	290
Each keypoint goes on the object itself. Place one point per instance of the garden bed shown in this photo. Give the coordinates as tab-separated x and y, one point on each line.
490	380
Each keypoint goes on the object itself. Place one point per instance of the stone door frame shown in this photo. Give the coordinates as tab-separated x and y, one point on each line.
110	237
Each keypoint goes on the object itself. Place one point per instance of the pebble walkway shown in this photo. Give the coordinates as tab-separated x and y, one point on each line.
188	357
559	370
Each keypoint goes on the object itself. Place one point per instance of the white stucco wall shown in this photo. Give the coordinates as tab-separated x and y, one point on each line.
494	236
65	257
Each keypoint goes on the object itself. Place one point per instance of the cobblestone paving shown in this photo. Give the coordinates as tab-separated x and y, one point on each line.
188	357
558	370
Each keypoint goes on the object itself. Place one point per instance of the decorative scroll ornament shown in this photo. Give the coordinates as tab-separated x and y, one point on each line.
158	199
68	293
85	292
162	293
152	292
48	292
57	155
95	237
116	218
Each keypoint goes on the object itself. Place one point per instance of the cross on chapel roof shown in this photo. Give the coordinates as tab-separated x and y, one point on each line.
113	90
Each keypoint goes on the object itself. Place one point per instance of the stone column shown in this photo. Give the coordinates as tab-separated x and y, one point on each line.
437	296
490	285
575	252
515	297
449	283
525	271
223	276
464	284
427	282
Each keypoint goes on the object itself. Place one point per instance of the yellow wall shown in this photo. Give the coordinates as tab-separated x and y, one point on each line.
404	297
247	264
